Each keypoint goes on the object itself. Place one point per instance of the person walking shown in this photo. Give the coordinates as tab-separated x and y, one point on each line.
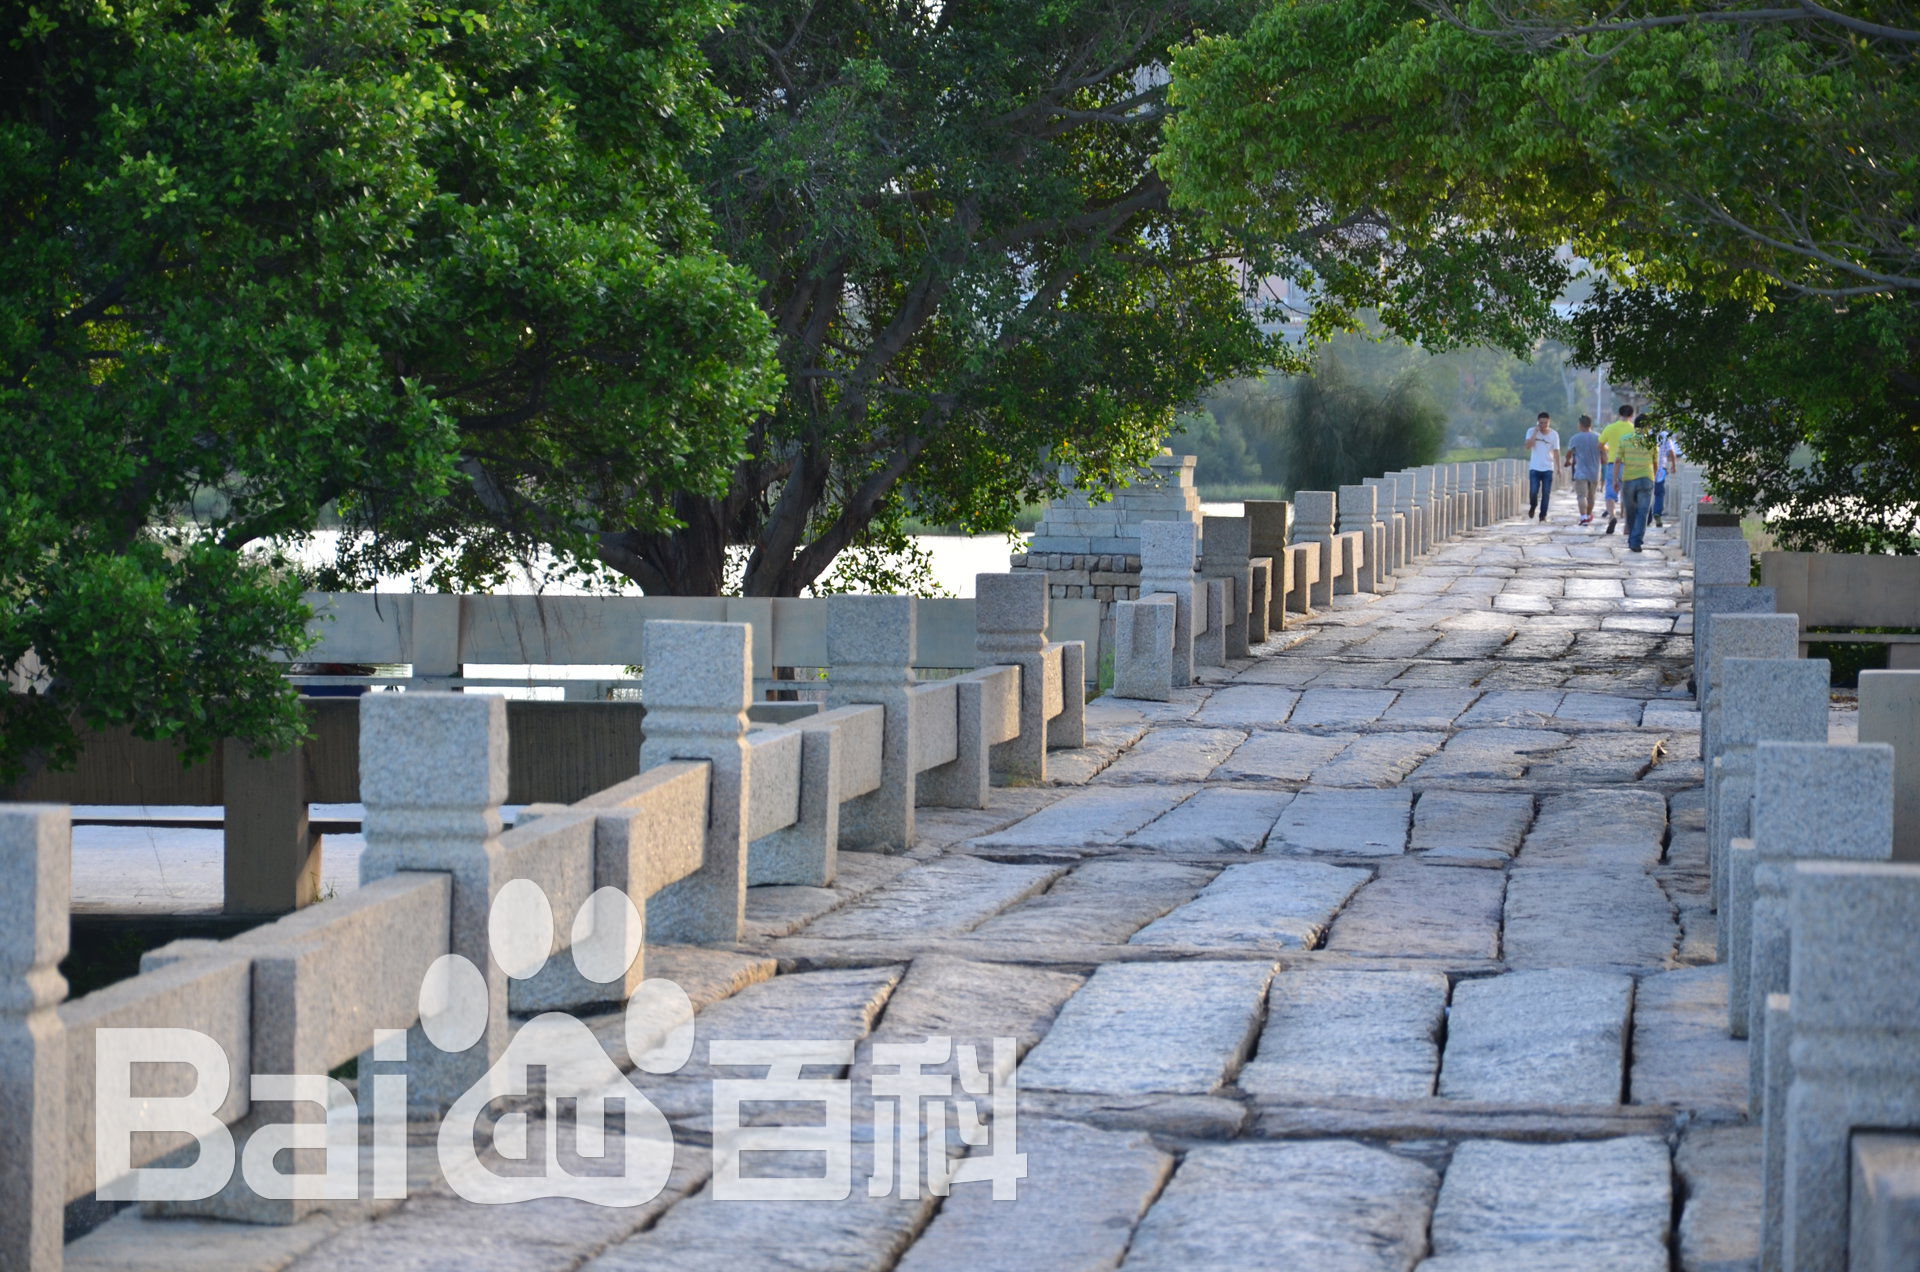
1633	476
1543	445
1583	467
1610	447
1666	455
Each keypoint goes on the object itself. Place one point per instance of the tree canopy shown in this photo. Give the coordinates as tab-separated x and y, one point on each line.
970	265
414	264
1745	177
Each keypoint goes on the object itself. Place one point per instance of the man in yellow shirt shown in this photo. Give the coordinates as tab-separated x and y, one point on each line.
1609	452
1635	456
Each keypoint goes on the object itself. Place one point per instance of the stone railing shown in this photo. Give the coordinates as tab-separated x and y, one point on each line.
1814	858
667	854
441	637
273	848
1209	592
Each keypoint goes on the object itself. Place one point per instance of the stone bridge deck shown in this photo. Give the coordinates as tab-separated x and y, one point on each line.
1386	949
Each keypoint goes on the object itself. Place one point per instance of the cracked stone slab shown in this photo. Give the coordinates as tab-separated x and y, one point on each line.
1596	758
1470	824
1249	706
1359	823
1428	708
1075	1211
1489	753
1099	902
1088	818
1173	755
943	897
1330	1206
1145	1028
1585	1206
841	1004
436	1230
1598	827
1599	708
707	1234
775	910
1540	1037
1682	1053
1282	757
1219	819
1378	759
1340	708
1417	910
974	1002
1588	916
1516	707
1264	903
1333	1035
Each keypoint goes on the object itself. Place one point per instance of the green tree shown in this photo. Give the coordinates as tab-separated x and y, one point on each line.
970	266
1660	143
1339	430
440	269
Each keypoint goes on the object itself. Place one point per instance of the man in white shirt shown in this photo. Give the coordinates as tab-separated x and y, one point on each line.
1543	448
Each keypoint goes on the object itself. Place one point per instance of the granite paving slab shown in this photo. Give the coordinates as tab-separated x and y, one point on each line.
1538	1037
1218	819
1088	818
1329	1206
1172	755
1180	1028
1263	903
1282	757
1359	823
1413	909
1468	824
1333	1035
1597	1206
1101	901
1075	1212
945	897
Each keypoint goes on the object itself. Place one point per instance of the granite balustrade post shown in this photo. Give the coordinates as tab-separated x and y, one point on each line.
1854	1051
1767	700
1315	516
433	774
1011	630
1358	514
1393	526
699	682
1405	503
1144	646
1167	550
1849	819
1735	636
1890	713
1226	552
1269	530
1434	531
36	856
870	647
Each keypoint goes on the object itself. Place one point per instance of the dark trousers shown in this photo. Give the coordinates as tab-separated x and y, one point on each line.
1539	487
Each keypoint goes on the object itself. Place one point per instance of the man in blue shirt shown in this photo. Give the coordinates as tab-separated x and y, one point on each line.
1583	466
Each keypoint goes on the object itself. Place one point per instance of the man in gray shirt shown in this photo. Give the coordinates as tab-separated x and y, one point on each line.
1583	465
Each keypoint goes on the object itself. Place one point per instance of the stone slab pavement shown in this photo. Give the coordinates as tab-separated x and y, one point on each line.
1381	949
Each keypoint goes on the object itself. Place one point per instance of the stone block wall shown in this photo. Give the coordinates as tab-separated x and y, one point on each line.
1093	550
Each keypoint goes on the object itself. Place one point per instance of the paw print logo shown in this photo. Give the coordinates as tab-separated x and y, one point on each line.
566	1121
